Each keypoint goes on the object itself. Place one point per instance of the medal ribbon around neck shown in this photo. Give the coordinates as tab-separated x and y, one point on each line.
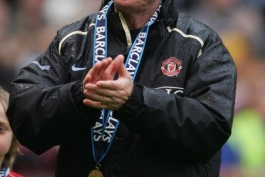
105	128
4	172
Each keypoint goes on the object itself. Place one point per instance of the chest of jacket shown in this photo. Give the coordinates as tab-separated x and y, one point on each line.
165	63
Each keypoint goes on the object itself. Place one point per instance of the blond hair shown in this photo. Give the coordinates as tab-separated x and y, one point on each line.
14	148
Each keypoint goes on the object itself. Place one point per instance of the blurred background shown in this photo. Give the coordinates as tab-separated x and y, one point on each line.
28	26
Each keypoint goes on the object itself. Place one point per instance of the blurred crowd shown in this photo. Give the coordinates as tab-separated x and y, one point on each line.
28	26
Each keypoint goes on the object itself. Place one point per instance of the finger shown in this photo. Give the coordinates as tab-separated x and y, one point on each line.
94	89
108	103
100	105
105	96
100	66
98	94
93	104
117	66
95	96
117	94
112	69
86	80
108	84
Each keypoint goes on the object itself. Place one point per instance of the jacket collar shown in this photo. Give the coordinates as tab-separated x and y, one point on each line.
169	13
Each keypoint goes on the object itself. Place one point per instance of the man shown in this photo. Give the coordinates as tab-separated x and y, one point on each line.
136	90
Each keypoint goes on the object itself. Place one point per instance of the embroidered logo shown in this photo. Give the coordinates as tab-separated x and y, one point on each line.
42	67
74	68
171	67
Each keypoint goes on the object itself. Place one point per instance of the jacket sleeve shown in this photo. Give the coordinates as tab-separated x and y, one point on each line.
195	125
45	108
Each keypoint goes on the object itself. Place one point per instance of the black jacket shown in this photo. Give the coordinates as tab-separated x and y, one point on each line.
173	125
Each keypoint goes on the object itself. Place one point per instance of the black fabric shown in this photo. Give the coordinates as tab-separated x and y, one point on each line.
175	122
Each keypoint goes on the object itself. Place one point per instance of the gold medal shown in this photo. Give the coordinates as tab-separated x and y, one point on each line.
95	173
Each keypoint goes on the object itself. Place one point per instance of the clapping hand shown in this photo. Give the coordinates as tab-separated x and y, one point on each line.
100	88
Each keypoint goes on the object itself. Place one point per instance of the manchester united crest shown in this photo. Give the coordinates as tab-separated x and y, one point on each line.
171	67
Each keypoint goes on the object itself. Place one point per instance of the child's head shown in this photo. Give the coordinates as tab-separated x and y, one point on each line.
8	142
